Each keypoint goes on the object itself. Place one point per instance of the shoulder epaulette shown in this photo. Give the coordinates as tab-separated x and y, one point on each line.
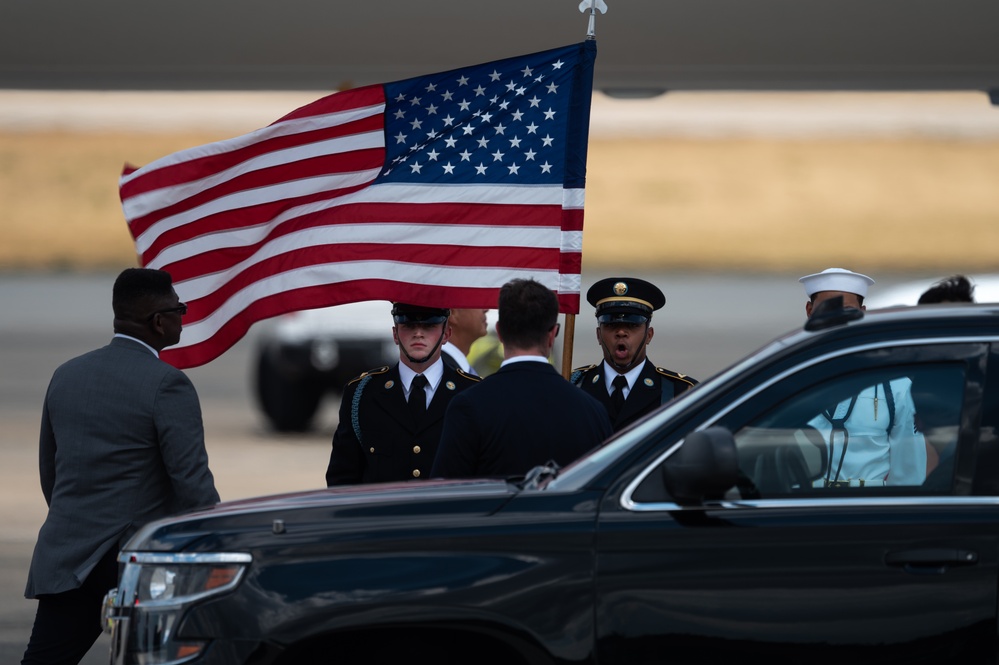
676	375
466	375
577	374
370	372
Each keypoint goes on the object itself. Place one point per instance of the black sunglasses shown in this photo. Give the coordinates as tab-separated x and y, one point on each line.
179	309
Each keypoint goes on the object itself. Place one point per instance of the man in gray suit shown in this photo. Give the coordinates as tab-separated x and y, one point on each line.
121	443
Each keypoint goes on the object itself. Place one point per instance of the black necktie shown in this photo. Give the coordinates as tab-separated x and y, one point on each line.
418	398
617	397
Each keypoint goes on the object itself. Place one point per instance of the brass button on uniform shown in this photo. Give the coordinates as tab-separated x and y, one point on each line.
416	473
416	449
371	449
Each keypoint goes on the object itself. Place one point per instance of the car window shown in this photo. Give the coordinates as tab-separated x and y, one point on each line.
857	433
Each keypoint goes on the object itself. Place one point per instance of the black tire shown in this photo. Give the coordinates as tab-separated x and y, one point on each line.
288	405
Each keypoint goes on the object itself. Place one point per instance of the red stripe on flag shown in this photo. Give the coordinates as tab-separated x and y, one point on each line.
320	296
572	219
194	169
568	303
245	216
513	258
306	182
339	101
387	213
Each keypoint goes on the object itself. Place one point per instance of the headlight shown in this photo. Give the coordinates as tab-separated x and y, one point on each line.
155	590
161	583
172	583
325	354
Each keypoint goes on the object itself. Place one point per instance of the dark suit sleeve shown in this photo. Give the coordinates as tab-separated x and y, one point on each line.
181	433
46	454
604	425
346	465
457	455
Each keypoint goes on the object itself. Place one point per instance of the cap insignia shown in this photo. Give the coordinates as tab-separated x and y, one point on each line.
620	288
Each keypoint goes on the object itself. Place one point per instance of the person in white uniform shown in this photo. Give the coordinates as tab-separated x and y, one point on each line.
467	325
870	438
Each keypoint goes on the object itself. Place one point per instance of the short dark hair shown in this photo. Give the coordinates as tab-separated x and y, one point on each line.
527	311
952	289
136	289
860	298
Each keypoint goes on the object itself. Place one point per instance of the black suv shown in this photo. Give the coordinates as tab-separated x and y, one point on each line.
721	528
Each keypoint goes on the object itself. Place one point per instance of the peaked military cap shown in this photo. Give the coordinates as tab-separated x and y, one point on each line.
625	300
406	313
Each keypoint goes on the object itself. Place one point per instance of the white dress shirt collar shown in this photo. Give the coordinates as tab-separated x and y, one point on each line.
521	359
134	339
631	375
458	357
434	374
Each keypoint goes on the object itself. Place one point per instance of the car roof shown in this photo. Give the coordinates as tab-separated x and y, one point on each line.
907	293
942	321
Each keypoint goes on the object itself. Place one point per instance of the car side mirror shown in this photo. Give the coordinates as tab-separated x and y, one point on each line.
705	467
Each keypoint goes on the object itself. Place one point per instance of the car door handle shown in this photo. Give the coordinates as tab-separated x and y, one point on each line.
931	559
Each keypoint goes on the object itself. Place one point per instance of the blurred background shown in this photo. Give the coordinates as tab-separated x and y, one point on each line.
735	145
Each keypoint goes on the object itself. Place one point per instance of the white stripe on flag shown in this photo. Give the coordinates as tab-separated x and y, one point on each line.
384	193
573	198
283	128
401	234
330	274
142	204
237	200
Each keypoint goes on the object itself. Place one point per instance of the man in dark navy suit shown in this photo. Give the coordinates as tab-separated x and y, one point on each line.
627	383
526	414
391	417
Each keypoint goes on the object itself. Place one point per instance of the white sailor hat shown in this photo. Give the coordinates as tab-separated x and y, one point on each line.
836	279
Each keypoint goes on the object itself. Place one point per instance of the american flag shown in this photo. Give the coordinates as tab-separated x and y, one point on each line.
434	190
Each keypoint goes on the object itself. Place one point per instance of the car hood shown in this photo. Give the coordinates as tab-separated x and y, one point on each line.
247	523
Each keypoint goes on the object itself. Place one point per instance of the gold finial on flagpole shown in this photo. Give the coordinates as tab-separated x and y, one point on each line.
592	6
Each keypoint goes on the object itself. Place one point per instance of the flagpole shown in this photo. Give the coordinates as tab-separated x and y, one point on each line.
592	6
569	332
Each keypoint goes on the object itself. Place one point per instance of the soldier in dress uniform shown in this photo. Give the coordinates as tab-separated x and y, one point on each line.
626	381
391	417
